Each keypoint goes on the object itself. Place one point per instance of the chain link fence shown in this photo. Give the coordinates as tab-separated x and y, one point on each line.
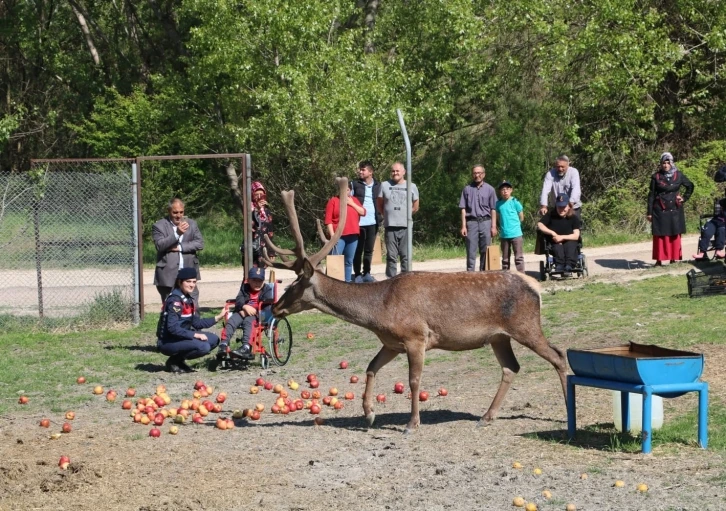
69	241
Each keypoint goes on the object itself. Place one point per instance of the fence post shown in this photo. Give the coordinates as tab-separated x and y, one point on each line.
409	180
136	308
38	255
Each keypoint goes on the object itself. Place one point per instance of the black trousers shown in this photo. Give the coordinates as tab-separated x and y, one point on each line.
366	243
565	253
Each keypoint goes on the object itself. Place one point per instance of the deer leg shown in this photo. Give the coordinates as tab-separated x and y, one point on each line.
554	356
502	348
382	358
416	358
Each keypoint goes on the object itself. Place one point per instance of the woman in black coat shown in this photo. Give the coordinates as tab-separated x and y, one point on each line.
665	210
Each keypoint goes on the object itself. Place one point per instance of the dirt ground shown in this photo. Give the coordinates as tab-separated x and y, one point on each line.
285	462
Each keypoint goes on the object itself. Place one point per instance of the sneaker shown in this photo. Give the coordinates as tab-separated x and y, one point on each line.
222	351
559	268
244	351
172	365
699	257
721	254
185	368
358	279
568	269
368	278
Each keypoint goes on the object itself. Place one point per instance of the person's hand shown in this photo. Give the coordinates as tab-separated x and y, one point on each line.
249	310
557	238
650	218
463	232
201	336
679	200
543	210
175	249
182	227
349	201
262	203
494	230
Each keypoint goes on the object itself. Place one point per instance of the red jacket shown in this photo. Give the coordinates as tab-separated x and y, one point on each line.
352	218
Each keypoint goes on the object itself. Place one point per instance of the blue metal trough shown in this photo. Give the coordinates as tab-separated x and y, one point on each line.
644	369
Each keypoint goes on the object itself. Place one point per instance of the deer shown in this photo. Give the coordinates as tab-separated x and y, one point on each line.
423	311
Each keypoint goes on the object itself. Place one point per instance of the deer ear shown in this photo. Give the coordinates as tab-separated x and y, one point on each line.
308	269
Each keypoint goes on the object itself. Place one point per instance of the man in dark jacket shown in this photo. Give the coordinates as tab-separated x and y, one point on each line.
366	189
252	294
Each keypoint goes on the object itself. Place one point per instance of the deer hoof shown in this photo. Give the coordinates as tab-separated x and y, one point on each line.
370	418
483	423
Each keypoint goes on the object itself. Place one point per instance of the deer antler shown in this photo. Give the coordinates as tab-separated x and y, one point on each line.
288	198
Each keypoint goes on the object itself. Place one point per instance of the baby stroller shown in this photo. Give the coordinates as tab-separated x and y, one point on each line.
547	268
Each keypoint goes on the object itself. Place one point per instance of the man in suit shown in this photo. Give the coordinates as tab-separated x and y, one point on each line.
177	240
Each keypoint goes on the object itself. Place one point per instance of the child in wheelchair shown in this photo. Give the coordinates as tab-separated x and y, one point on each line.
251	295
715	228
561	228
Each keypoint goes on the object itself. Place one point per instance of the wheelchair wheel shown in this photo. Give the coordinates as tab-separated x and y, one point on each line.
584	265
279	335
542	272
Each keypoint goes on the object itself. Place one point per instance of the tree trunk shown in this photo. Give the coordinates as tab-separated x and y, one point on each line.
86	33
233	178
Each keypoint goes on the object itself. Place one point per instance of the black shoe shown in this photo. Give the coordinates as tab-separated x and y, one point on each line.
568	268
244	351
222	351
559	268
172	365
184	368
567	274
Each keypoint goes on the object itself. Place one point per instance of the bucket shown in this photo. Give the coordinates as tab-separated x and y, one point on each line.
636	411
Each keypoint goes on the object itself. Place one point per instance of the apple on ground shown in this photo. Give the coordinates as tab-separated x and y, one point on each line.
349	396
268	385
160	389
338	405
381	398
111	396
126	405
443	392
327	399
305	394
260	382
230	423
159	419
173	430
221	423
130	392
354	379
155	432
64	462
238	414
344	364
310	377
199	384
333	391
44	423
398	388
259	407
310	336
221	397
98	390
66	428
255	415
145	420
314	384
277	389
423	396
179	419
70	415
23	400
81	380
315	409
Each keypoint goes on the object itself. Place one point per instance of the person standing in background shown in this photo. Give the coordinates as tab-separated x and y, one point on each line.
562	179
478	217
366	190
392	200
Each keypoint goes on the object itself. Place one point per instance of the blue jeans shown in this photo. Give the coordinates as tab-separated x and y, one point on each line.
188	349
346	247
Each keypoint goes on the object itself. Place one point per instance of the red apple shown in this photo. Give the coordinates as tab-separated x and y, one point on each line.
111	396
81	380
126	405
314	384
159	401
255	416
260	382
64	462
66	428
316	394
23	400
130	392
344	364
311	377
159	419
354	379
423	396
70	416
381	398
338	405
199	384
268	385
275	408
315	409
217	408
327	400
443	392
305	394
311	336
220	424
230	423
155	432
398	388
333	391
197	419
44	423
349	396
277	388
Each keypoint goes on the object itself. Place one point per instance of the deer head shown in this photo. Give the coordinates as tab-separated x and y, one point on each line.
299	296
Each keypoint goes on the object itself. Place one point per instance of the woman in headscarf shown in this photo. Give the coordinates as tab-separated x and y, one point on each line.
261	223
665	210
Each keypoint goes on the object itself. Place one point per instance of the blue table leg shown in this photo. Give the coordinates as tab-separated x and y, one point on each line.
625	410
646	426
703	416
571	409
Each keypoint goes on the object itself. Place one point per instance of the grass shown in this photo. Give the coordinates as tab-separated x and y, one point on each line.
43	363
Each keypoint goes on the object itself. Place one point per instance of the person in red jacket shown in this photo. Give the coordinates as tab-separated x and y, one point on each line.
348	242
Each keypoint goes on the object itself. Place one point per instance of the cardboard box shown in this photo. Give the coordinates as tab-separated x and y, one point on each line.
494	258
335	266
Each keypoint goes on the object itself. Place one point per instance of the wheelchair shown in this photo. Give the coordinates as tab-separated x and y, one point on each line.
547	268
703	219
271	338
